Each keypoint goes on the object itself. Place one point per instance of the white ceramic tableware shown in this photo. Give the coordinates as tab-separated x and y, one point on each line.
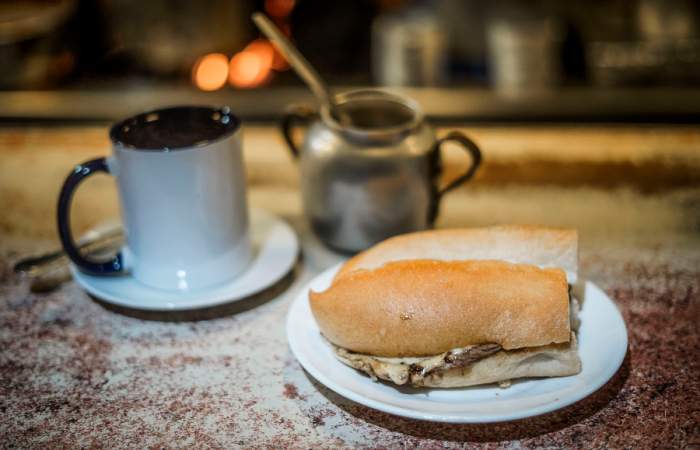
275	250
602	340
182	191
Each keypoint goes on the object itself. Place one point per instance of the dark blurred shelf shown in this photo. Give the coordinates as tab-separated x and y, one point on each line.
441	104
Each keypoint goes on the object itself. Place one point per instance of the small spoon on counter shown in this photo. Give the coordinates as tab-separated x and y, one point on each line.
48	271
301	66
33	263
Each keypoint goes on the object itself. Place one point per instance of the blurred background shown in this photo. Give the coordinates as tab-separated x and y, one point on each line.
477	60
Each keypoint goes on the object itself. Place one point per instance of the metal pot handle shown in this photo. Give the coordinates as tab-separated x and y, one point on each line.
297	115
471	148
468	146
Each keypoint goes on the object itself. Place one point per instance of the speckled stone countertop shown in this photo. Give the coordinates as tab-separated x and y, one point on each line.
75	374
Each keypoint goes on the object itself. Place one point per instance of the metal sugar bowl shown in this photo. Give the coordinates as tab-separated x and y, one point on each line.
375	175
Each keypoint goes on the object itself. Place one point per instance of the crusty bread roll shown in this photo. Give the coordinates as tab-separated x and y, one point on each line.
455	308
426	307
540	246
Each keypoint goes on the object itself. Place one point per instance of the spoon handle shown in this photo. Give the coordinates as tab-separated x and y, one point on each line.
33	263
305	70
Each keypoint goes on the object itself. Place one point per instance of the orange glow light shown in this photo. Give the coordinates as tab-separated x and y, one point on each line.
263	49
210	71
252	66
269	53
279	8
279	62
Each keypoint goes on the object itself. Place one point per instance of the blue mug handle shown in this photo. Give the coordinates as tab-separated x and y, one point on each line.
80	173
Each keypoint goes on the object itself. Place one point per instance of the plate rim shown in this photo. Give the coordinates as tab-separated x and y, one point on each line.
201	299
588	389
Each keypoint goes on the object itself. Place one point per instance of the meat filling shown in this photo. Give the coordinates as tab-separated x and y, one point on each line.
413	370
420	371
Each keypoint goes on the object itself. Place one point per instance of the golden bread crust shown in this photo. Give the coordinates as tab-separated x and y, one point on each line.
525	244
426	307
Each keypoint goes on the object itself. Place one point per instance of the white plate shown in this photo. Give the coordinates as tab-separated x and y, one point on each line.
602	347
275	247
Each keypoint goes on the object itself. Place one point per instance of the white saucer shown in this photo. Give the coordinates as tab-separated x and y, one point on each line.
275	247
602	347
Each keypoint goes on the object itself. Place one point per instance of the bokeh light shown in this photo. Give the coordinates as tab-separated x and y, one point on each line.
253	65
210	71
279	8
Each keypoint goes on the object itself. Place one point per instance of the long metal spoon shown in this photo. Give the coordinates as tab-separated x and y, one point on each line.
93	239
301	66
49	276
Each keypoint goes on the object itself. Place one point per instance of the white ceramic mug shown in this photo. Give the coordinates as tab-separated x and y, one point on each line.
182	192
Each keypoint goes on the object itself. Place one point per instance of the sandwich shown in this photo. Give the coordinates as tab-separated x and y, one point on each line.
453	308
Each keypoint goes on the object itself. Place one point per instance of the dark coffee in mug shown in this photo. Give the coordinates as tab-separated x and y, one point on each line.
175	128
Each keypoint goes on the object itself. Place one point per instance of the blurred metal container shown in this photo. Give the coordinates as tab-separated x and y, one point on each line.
524	53
408	49
167	36
644	63
375	178
666	21
31	51
667	48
